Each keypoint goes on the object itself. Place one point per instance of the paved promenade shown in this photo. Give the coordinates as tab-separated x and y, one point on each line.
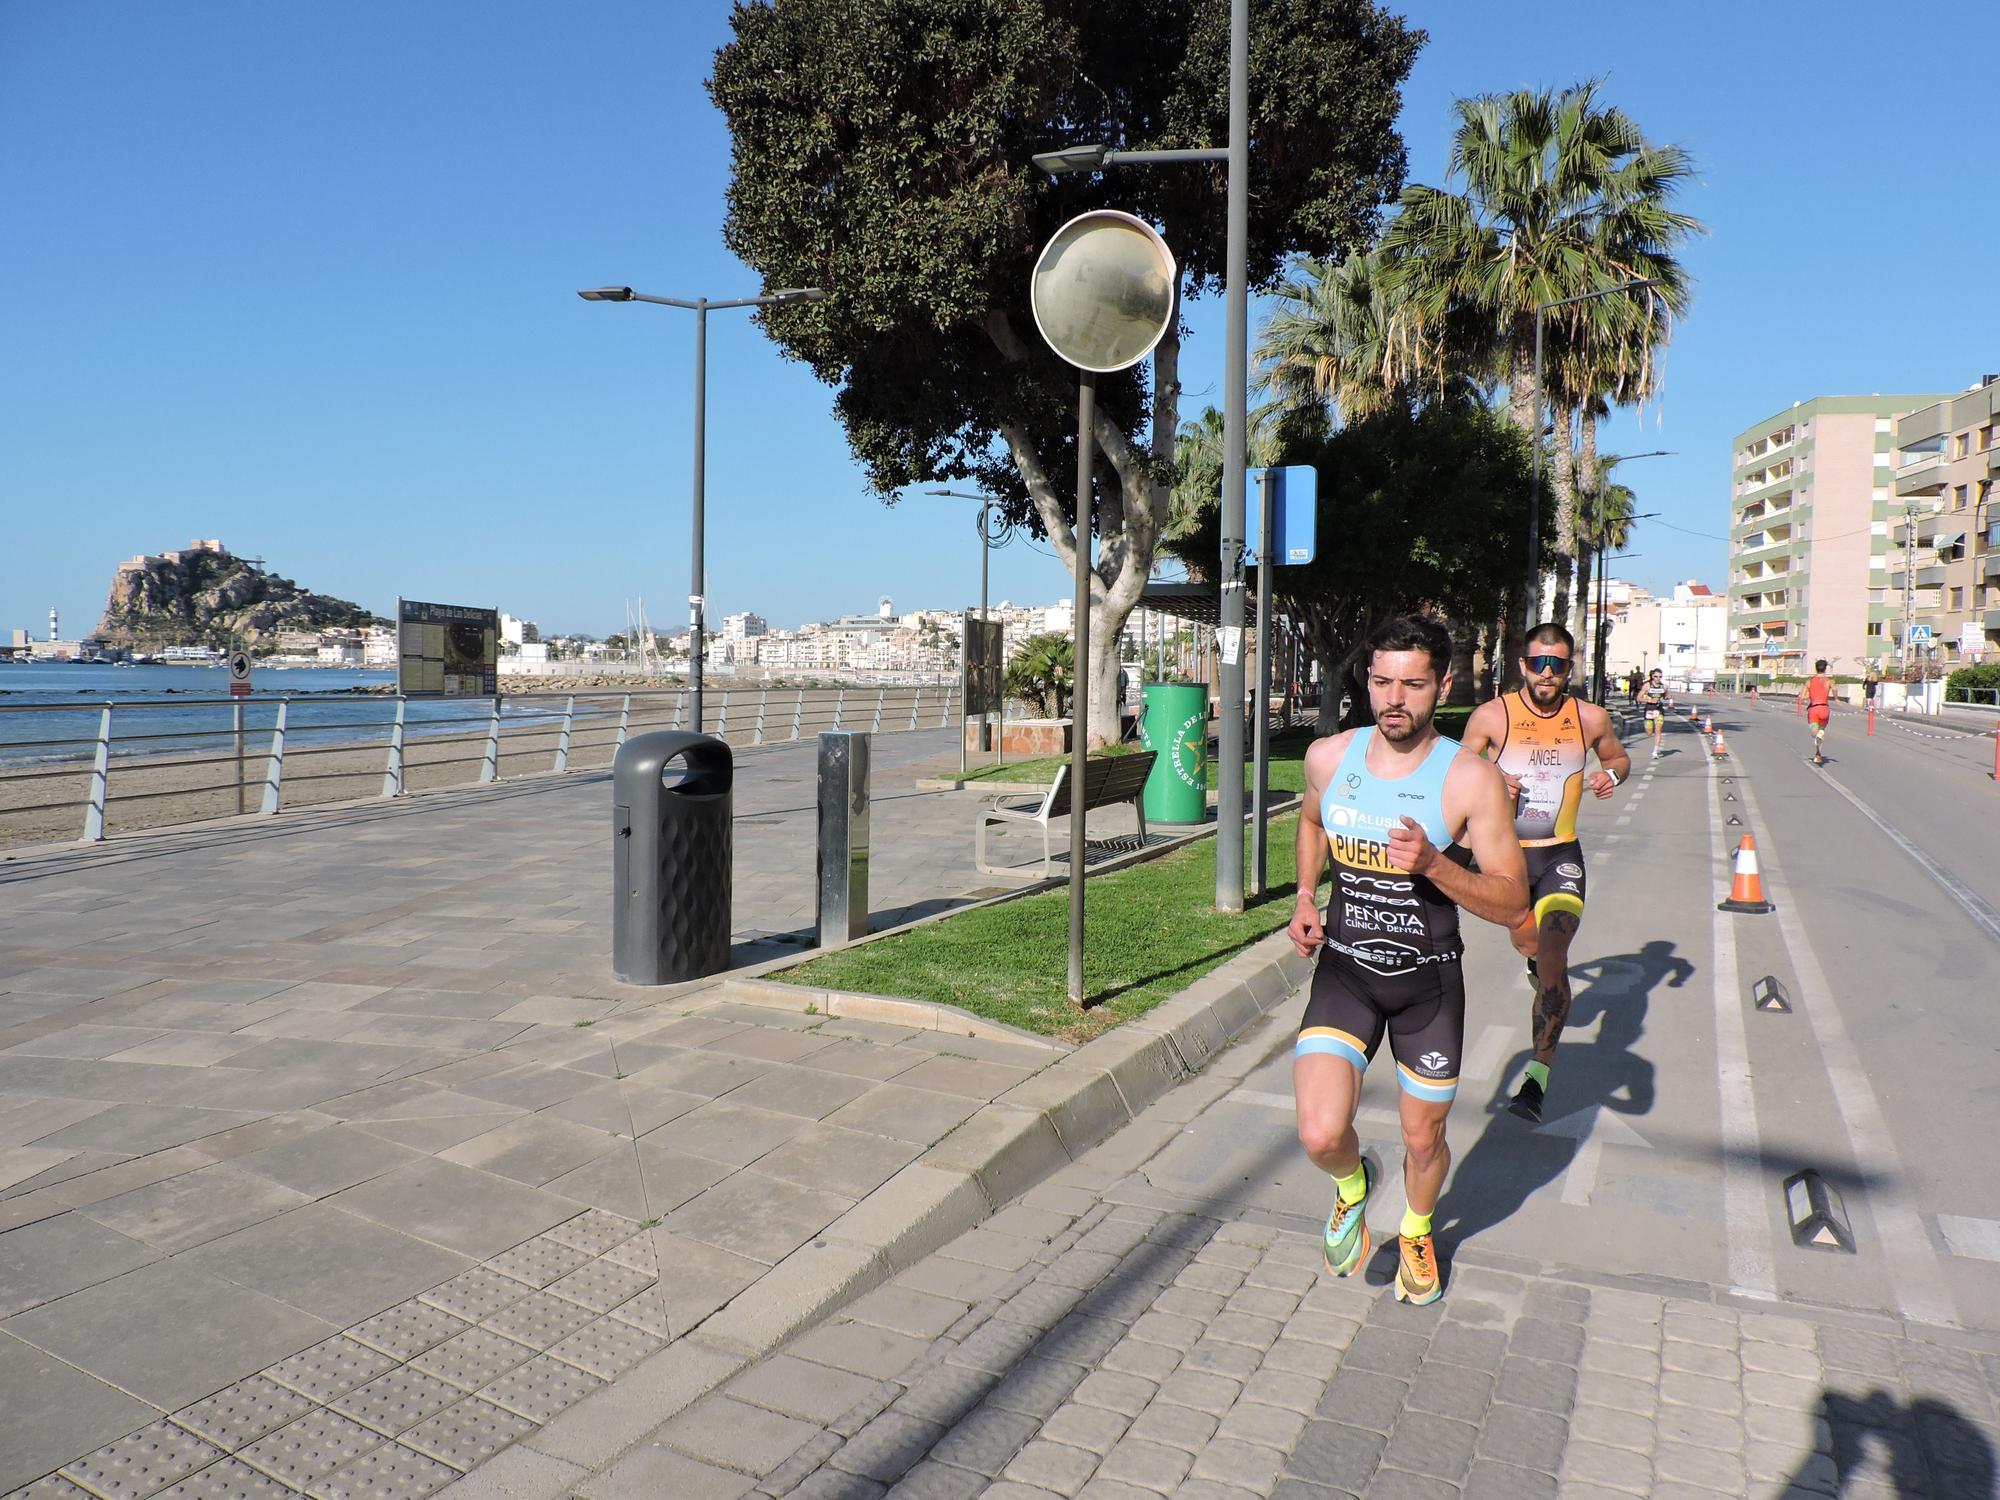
288	1107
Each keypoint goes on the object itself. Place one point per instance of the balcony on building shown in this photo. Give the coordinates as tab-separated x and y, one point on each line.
1925	425
1922	470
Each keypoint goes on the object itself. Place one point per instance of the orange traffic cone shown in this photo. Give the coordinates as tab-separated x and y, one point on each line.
1746	892
1721	749
1708	725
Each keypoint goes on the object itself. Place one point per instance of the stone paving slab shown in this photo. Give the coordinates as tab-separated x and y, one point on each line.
1102	1339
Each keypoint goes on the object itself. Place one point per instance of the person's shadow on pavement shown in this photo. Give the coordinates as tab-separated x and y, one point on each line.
1513	1159
1926	1449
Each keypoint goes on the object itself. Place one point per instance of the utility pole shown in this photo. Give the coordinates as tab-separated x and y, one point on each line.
1909	579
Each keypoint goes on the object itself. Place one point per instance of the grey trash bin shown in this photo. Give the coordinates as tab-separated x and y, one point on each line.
671	845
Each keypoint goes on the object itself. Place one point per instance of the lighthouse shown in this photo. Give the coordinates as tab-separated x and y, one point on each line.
52	622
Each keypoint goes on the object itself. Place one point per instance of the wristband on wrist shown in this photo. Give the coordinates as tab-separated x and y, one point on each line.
1616	780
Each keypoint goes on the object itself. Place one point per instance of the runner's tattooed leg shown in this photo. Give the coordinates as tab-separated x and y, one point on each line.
1552	997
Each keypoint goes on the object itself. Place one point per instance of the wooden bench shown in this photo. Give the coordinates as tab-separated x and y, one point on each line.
1107	780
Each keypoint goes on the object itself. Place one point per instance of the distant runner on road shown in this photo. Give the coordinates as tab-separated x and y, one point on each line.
1396	807
1653	698
1819	708
1542	739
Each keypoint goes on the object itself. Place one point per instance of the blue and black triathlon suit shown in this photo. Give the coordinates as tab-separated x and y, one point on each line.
1391	960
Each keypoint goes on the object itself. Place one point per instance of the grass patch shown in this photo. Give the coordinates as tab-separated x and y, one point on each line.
1150	931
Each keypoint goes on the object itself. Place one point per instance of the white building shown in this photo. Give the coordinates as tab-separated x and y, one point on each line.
1687	637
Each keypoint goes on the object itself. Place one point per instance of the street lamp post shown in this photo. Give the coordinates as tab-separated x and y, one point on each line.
985	546
700	306
1236	367
1534	591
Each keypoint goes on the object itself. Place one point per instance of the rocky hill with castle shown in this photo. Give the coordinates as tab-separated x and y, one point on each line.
204	595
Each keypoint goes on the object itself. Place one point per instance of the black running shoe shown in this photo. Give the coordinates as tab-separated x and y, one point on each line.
1528	1102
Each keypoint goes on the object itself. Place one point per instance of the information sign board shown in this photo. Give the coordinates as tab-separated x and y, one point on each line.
982	665
447	650
1295	506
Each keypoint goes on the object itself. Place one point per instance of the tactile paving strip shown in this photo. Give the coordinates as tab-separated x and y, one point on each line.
241	1413
541	1388
466	1434
476	1294
648	1310
330	1369
539	1261
601	1286
398	1400
638	1253
594	1230
51	1487
408	1329
390	1472
229	1480
142	1463
311	1448
607	1348
473	1358
539	1319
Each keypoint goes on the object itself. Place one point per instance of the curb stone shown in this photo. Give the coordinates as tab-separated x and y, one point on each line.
1005	1149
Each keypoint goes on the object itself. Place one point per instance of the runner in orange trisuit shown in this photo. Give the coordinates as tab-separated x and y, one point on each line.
1819	708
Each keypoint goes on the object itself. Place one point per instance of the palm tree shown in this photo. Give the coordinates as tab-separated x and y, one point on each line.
1042	673
1561	195
1330	343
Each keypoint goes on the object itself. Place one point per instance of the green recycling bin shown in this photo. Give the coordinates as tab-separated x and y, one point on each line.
1175	728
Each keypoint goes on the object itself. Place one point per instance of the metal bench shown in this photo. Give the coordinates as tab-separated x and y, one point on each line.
1106	781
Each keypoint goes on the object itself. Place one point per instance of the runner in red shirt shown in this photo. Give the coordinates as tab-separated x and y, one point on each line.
1819	708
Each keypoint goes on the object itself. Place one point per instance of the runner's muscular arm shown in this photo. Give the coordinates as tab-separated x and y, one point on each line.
1486	735
1611	756
1498	889
1306	930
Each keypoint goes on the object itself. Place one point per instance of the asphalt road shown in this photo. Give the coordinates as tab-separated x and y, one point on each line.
1678	1109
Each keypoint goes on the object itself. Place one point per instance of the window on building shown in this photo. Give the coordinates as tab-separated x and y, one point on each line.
1958	495
1957	598
1959	444
1986	437
1874	627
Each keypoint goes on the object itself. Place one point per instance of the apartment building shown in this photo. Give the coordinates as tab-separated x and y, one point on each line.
1944	559
1810	510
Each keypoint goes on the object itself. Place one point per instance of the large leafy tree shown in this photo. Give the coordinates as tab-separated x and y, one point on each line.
1548	195
881	151
1418	509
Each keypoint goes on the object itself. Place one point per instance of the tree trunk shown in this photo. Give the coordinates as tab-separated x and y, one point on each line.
1564	520
1586	647
1464	675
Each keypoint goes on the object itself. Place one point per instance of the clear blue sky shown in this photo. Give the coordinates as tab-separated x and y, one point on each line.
302	277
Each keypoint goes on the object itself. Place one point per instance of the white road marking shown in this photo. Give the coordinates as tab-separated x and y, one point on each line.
1592	1130
1623	819
1977	1238
1950	884
1920	1292
1484	1059
1745	1216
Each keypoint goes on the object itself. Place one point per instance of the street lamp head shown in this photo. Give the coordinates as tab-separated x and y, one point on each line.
607	294
799	294
1087	158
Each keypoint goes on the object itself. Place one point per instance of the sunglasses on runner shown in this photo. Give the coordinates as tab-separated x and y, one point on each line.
1556	664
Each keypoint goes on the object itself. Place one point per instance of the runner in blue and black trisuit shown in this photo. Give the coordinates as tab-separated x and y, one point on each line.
1398	807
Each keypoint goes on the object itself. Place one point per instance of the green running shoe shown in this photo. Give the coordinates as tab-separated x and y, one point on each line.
1347	1229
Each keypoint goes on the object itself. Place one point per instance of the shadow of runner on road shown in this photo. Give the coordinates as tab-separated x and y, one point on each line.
1926	1448
1511	1160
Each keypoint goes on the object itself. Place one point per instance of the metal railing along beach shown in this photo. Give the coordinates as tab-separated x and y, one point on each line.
98	765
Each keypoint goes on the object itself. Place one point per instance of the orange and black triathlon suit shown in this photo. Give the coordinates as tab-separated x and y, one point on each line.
1548	753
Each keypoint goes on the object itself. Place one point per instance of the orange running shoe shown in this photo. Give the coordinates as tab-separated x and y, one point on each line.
1417	1276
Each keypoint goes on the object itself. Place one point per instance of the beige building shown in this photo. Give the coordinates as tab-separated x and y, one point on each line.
1810	510
1943	564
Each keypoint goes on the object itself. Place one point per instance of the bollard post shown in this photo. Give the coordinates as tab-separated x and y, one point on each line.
798	713
624	718
680	704
274	771
916	707
490	771
1871	718
562	746
392	776
721	724
839	705
763	703
100	780
236	716
842	858
881	697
